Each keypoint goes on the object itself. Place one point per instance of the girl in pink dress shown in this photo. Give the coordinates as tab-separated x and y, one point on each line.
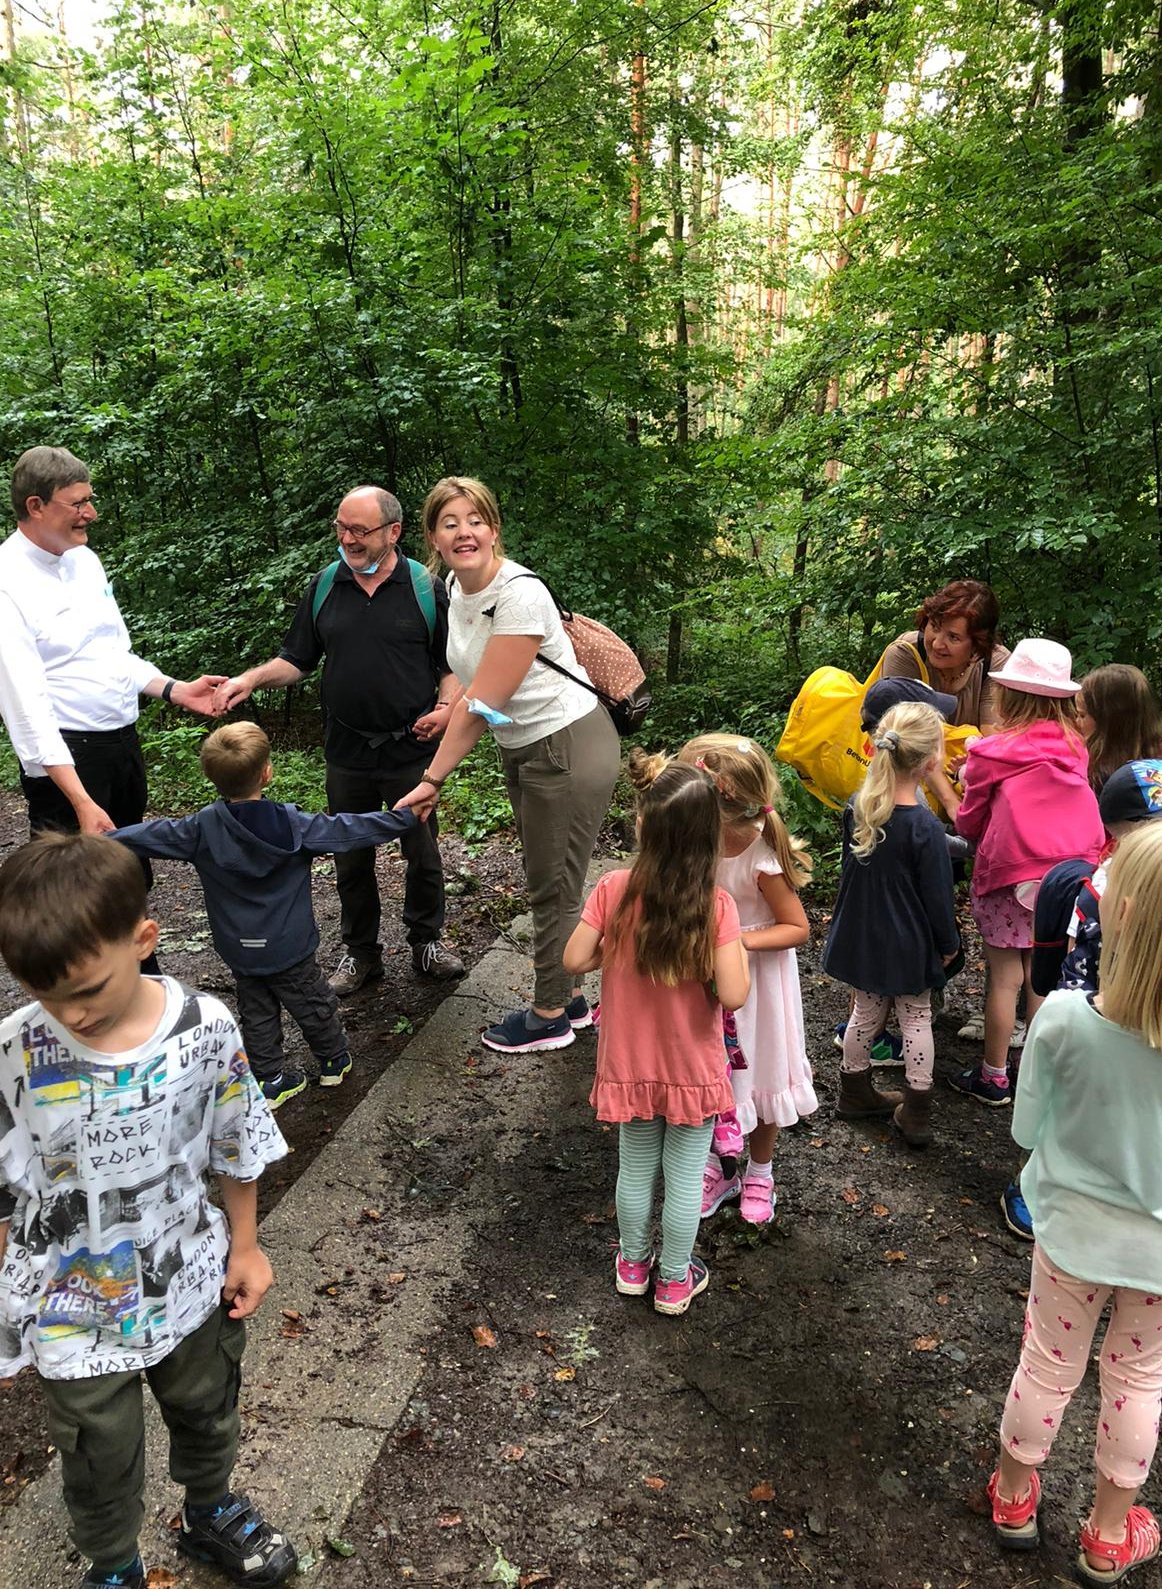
666	939
762	868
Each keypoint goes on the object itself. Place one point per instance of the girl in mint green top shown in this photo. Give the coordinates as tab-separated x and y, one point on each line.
1089	1109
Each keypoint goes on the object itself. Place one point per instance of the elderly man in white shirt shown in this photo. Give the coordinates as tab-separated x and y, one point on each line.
69	680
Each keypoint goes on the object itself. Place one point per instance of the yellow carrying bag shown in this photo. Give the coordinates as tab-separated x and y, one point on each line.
823	740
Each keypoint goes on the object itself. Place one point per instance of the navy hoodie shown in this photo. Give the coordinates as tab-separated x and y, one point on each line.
254	859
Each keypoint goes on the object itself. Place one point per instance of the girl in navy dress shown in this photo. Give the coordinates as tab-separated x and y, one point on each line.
893	930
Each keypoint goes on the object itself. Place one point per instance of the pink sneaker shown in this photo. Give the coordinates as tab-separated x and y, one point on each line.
717	1188
675	1296
632	1275
728	1140
757	1205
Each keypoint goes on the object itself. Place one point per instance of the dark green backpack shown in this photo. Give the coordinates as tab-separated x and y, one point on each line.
422	589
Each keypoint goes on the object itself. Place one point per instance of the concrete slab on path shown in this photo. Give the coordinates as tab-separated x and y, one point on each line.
317	1409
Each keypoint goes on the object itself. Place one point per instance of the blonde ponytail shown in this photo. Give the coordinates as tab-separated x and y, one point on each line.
905	738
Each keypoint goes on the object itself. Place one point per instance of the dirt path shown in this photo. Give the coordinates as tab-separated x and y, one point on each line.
824	1414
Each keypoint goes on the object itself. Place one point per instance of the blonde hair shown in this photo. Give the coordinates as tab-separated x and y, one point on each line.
445	491
233	757
905	738
1130	976
669	902
1019	709
748	788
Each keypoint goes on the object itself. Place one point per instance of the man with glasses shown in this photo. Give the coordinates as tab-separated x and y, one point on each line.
387	694
69	680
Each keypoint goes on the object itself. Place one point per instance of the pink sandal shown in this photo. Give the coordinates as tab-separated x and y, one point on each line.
1015	1522
1140	1545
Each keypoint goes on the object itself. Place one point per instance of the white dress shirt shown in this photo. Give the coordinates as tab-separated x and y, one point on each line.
65	657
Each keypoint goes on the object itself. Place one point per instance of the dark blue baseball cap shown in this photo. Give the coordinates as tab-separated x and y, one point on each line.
886	693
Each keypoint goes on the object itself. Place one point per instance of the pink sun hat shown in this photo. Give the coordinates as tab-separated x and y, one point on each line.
1039	667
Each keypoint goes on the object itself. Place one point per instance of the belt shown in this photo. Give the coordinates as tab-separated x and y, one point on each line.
98	736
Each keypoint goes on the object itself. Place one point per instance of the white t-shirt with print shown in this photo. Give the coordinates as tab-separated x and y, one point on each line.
517	603
115	1253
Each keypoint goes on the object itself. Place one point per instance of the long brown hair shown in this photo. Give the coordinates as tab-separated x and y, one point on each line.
748	788
668	904
1127	725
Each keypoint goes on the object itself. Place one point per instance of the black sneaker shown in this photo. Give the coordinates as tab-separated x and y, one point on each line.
332	1071
436	961
131	1577
287	1084
237	1538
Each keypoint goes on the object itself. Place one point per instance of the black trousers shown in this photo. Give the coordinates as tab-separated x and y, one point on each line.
112	769
423	900
304	993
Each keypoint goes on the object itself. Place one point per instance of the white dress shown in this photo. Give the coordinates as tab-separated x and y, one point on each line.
776	1087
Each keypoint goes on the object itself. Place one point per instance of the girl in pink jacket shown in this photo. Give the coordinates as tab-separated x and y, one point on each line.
1028	805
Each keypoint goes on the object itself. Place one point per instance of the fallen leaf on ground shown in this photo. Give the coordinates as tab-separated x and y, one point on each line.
543	1335
653	1483
483	1335
893	1256
340	1546
294	1317
564	1374
594	1219
925	1343
764	1491
372	1214
449	1520
942	1300
529	1578
816	1142
879	1210
160	1578
788	1533
966	1202
396	1277
513	1453
850	1195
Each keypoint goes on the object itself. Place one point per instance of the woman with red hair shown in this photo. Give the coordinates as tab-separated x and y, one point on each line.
953	647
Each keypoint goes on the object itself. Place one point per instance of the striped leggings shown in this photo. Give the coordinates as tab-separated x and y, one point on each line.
645	1149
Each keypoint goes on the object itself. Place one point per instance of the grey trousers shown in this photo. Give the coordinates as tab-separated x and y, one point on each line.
560	788
99	1428
304	993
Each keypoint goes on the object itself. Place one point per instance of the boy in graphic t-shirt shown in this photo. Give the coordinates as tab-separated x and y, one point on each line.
119	1093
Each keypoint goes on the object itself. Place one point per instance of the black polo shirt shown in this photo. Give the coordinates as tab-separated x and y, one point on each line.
380	671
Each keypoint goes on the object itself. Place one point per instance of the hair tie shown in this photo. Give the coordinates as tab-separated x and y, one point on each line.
700	763
888	741
766	810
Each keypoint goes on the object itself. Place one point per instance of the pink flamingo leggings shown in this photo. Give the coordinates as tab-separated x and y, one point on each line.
1060	1320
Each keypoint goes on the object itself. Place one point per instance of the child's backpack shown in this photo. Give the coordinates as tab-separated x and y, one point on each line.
1052	917
422	589
825	743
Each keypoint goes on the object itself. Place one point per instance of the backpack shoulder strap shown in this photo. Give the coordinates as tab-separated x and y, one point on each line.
323	588
921	658
425	594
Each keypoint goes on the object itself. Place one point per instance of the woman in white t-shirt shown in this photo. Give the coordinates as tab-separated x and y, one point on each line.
559	748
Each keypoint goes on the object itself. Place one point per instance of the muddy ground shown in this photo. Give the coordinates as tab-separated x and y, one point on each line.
825	1413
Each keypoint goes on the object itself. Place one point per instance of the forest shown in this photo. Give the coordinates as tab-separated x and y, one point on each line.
762	323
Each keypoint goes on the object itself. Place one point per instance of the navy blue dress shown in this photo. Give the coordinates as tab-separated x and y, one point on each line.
894	918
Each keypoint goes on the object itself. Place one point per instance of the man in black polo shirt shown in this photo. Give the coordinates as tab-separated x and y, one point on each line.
387	694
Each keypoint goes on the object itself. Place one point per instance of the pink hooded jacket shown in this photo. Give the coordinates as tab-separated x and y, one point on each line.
1028	805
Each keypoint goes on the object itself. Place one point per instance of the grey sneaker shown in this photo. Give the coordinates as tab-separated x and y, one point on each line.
352	973
434	960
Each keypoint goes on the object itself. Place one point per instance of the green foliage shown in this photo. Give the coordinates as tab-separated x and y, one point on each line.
475	799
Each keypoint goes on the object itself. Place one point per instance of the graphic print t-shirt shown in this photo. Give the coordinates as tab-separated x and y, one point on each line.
115	1252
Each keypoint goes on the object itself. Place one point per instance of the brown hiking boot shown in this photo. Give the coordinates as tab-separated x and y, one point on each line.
352	973
437	961
859	1100
913	1119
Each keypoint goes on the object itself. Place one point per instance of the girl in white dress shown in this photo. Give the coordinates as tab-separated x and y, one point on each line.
762	868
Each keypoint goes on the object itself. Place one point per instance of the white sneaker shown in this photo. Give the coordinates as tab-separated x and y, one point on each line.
1019	1033
973	1028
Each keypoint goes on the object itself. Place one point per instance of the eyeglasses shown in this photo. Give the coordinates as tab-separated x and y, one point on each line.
353	529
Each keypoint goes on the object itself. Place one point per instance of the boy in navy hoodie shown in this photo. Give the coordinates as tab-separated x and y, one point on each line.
254	856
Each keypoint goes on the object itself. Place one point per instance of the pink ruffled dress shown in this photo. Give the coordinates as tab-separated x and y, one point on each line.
659	1050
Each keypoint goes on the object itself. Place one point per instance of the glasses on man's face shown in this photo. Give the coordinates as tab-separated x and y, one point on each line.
74	507
359	533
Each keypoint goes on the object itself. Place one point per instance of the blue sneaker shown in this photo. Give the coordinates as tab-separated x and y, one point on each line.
237	1538
522	1032
332	1071
973	1084
579	1013
130	1577
1016	1212
888	1048
287	1084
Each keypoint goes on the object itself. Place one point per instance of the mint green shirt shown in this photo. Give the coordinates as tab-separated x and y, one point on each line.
1089	1107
